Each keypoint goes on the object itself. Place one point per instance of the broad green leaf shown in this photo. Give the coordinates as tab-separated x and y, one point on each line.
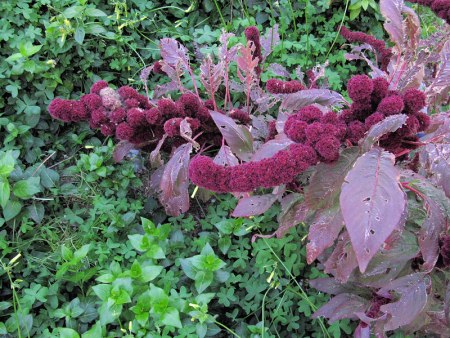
82	252
149	273
11	209
171	317
25	189
202	280
5	191
7	163
28	49
94	332
65	332
74	11
79	35
36	212
94	12
102	291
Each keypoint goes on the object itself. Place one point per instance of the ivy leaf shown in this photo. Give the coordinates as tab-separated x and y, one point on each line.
25	189
237	137
413	298
372	203
11	209
174	183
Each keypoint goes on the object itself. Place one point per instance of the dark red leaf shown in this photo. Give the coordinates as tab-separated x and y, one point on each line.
237	137
342	261
270	148
326	183
324	97
388	125
413	298
372	203
121	150
174	182
344	305
254	205
323	231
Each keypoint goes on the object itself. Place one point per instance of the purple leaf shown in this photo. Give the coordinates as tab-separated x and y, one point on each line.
342	306
372	203
413	298
388	125
186	133
435	160
161	90
362	331
343	260
390	261
270	148
442	79
225	157
334	287
438	214
121	150
155	155
254	205
324	97
326	183
211	75
278	70
323	231
270	40
392	12
173	52
237	137
174	183
293	212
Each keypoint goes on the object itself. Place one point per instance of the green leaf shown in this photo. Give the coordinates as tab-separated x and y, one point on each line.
137	241
82	252
66	253
73	11
36	212
202	280
120	296
224	244
28	49
79	35
171	317
136	270
67	333
149	273
5	191
49	177
7	163
25	189
94	12
11	209
94	332
3	329
102	291
5	305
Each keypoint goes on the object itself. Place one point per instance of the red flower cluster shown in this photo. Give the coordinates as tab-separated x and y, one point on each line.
379	45
276	86
252	34
130	116
440	7
322	132
270	172
373	102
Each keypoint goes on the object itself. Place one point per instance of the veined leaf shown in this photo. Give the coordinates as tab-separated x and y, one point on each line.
238	137
372	203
